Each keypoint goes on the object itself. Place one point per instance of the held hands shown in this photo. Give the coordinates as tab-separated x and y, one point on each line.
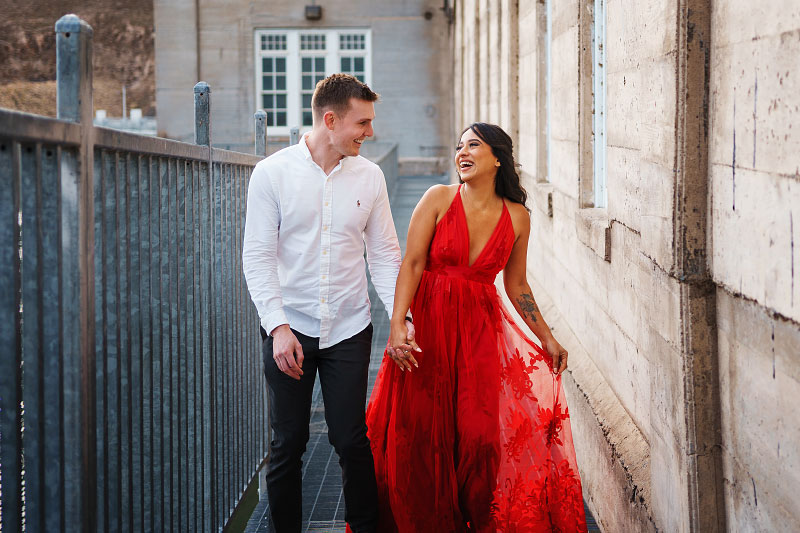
557	352
287	352
402	345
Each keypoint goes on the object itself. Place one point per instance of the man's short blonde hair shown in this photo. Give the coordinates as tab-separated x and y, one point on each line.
334	94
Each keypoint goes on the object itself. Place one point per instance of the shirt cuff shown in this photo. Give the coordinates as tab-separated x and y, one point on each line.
273	320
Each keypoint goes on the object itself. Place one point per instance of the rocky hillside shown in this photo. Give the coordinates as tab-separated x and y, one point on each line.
123	53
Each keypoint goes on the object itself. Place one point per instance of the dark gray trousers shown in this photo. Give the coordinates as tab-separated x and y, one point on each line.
343	372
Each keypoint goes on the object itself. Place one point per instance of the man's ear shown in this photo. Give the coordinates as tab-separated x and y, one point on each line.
329	118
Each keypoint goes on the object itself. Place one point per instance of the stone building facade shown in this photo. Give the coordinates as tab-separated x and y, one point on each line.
270	54
659	143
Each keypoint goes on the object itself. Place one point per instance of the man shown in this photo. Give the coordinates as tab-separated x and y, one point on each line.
311	209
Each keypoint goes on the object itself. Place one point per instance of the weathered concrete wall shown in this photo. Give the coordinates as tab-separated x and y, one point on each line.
411	66
677	301
176	67
754	158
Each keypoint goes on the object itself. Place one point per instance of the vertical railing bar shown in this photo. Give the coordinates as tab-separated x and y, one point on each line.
32	363
69	329
10	332
230	369
206	390
101	436
148	341
234	302
164	301
136	353
224	369
243	374
243	330
50	339
157	325
180	449
217	321
246	422
112	354
194	326
236	374
175	358
201	331
124	324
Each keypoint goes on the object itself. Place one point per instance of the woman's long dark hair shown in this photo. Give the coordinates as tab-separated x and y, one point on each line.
506	183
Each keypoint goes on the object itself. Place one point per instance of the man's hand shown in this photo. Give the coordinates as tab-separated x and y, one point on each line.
402	344
287	351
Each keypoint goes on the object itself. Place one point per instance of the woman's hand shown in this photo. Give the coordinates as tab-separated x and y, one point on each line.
402	345
557	352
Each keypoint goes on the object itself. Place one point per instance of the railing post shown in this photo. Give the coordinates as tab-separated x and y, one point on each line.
74	103
294	135
202	114
74	69
207	200
261	132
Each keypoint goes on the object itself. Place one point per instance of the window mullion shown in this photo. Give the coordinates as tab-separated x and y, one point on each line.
293	79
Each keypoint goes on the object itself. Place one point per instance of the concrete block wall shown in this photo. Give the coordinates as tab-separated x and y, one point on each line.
754	157
411	66
684	358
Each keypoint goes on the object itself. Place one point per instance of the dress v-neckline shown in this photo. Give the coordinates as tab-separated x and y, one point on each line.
466	227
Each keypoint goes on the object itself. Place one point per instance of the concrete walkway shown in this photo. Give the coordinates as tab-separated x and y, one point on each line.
323	503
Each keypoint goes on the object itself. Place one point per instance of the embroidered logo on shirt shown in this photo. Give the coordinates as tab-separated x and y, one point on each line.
358	203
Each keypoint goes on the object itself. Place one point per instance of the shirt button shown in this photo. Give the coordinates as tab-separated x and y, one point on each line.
324	252
322	300
324	277
326	203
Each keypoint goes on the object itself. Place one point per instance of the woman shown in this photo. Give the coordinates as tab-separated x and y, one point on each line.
469	429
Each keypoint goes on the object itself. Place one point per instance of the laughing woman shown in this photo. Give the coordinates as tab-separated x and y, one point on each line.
470	432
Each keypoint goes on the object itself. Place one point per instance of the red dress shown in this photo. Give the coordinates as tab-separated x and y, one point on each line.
478	437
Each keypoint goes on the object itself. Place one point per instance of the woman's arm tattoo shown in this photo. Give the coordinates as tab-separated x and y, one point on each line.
528	306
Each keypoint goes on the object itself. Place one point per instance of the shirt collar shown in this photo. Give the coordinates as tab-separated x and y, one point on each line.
307	154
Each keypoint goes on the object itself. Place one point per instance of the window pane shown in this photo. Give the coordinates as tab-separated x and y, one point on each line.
307	118
361	78
280	101
280	64
266	64
307	101
280	83
345	64
267	83
307	85
281	119
352	41
359	64
270	118
319	64
306	64
269	101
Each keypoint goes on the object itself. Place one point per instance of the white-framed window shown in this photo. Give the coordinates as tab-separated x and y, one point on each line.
290	62
599	102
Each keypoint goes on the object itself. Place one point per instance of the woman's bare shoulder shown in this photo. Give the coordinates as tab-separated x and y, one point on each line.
520	218
436	200
439	195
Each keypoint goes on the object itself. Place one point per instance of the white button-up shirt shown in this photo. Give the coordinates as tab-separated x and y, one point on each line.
304	241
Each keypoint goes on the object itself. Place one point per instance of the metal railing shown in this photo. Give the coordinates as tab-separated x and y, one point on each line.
131	388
